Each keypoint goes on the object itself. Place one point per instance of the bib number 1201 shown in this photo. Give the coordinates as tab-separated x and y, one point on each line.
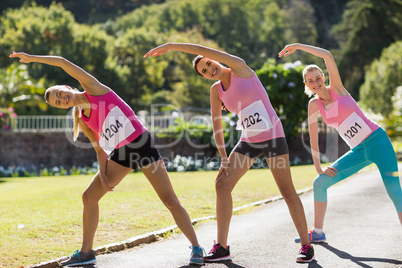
111	130
251	120
350	133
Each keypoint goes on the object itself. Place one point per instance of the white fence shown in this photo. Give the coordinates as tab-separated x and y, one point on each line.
62	123
42	123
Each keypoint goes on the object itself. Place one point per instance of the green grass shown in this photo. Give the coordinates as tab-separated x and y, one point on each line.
41	218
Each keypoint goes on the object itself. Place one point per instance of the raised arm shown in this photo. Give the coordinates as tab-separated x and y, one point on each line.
334	77
90	84
238	65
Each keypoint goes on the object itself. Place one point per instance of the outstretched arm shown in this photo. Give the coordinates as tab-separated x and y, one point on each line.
334	77
90	84
238	65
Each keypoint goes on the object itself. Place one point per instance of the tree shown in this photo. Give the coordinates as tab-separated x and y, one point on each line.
366	28
327	13
17	86
299	20
285	88
382	80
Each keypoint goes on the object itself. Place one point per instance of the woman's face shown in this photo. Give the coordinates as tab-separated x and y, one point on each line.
314	80
209	69
61	97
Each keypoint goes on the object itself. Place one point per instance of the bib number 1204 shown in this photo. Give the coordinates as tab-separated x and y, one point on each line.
111	130
350	133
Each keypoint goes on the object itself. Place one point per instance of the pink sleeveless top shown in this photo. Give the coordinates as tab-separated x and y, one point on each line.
248	98
348	119
114	120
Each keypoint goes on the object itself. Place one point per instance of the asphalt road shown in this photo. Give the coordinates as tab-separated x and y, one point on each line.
361	226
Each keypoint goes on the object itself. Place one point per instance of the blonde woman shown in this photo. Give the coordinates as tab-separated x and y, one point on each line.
122	144
368	142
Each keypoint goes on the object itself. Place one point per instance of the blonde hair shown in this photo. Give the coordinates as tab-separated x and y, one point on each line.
309	68
76	110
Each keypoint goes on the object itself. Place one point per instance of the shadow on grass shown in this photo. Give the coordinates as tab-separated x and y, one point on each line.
357	260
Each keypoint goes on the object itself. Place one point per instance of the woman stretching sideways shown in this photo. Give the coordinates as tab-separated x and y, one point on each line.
122	144
368	142
241	92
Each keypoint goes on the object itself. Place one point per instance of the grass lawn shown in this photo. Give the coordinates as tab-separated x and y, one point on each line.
41	218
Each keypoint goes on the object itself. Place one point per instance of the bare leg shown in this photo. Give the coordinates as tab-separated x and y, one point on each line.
319	214
91	197
400	217
158	177
239	165
280	169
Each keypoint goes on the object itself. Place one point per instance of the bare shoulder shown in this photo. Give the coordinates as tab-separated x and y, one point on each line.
214	88
313	104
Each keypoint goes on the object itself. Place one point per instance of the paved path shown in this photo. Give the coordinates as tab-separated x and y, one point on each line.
362	230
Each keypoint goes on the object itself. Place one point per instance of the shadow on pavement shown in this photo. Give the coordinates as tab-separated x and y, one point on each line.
314	264
358	260
228	264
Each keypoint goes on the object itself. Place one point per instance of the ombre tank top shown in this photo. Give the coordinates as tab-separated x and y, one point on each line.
114	120
248	98
348	119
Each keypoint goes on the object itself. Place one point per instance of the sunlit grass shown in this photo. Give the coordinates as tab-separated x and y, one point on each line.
41	218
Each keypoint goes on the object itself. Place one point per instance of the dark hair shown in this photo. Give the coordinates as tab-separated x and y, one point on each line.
196	60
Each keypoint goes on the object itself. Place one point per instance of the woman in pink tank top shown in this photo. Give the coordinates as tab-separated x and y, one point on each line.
122	144
369	143
241	92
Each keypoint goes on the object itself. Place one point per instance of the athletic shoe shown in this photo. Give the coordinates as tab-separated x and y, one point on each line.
314	237
197	255
306	254
80	258
218	253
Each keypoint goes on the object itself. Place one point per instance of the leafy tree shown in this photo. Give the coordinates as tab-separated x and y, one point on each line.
327	13
167	79
285	88
36	30
366	28
16	86
299	20
382	80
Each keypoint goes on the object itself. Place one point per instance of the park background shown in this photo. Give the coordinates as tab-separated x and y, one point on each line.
109	38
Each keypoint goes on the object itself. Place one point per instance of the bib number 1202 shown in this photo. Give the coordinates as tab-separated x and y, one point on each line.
111	130
251	120
350	133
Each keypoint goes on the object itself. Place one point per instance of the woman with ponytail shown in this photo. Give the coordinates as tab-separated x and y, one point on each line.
122	144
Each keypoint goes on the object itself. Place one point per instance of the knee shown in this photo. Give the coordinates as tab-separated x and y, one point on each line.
222	186
319	183
171	202
89	197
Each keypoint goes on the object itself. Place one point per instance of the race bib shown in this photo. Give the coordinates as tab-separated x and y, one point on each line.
254	119
354	130
116	128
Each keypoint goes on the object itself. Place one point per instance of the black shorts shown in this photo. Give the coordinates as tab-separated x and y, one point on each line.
138	153
269	148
